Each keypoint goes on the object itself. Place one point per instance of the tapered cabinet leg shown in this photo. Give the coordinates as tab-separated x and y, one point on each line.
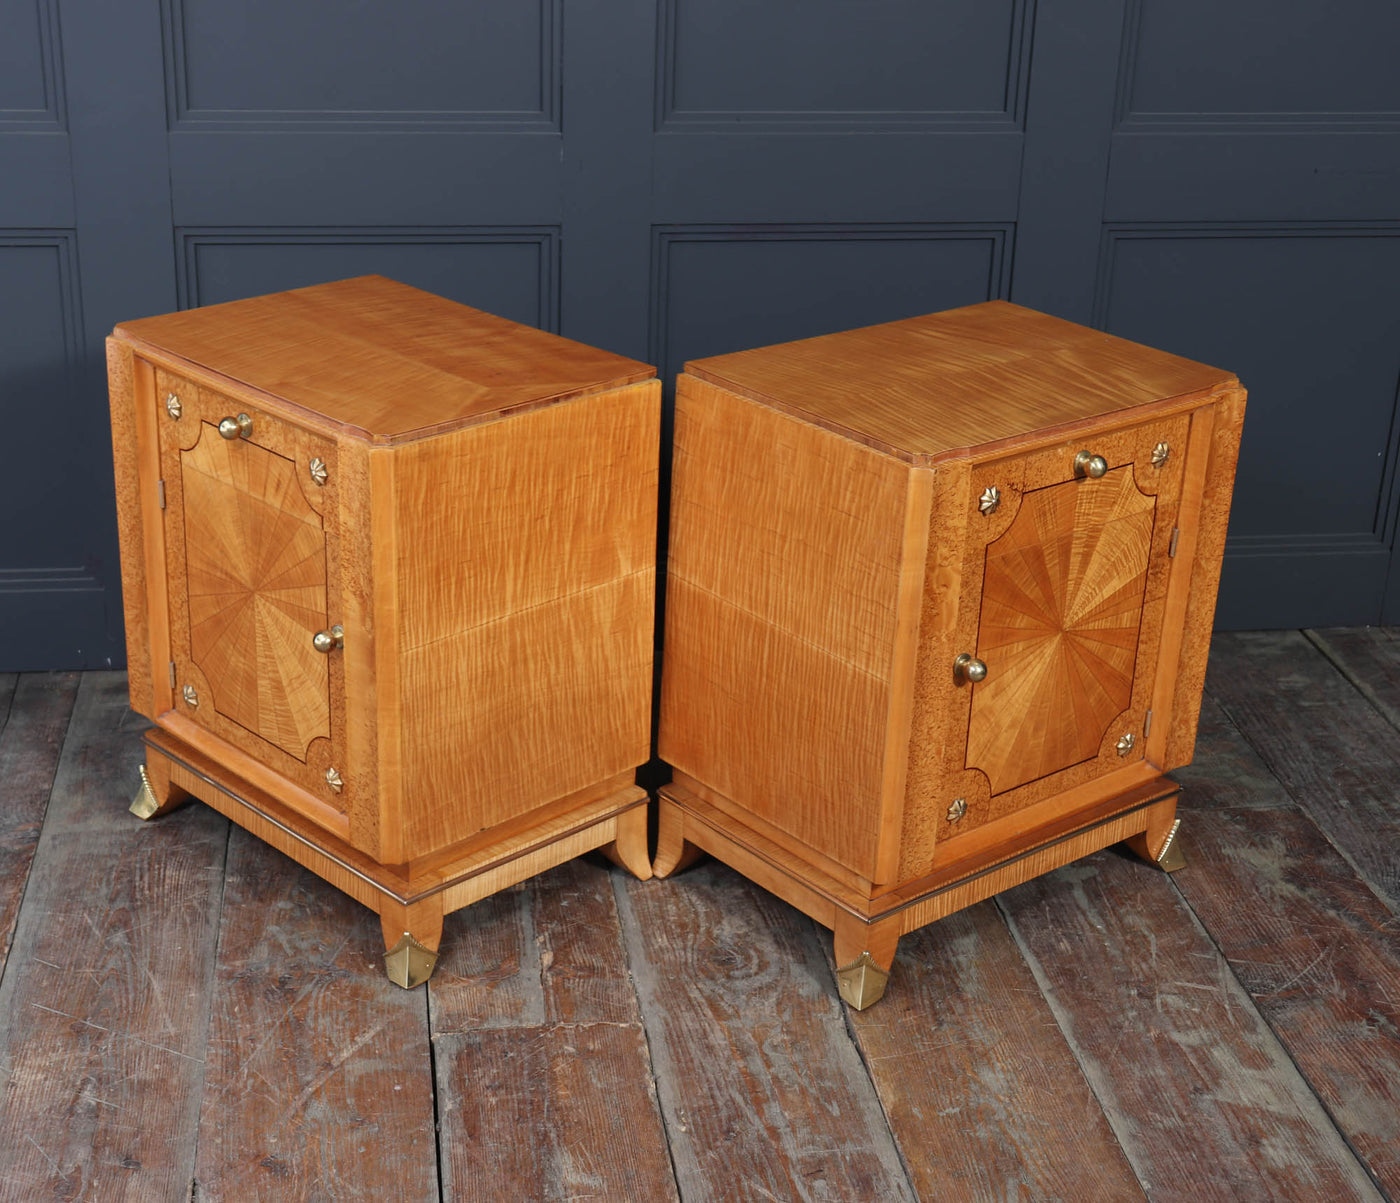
156	795
411	938
1159	845
673	851
629	849
864	958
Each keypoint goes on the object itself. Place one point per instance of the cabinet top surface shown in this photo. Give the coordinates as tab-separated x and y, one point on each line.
384	359
944	382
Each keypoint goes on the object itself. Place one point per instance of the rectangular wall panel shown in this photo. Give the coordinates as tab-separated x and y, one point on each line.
31	91
1309	317
1261	60
834	64
509	272
268	63
721	289
51	594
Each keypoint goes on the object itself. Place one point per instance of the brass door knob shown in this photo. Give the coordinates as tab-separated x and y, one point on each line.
240	427
1086	463
328	641
969	668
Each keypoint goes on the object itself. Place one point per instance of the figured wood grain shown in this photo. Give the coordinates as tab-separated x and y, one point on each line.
255	556
1320	956
940	384
34	713
1333	751
102	1021
787	558
1135	983
1211	516
312	1060
385	360
1062	600
981	1091
127	455
764	1094
524	611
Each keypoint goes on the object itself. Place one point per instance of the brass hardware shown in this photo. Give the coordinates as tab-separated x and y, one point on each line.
191	697
1086	463
144	805
317	468
334	779
328	641
1160	454
240	427
1171	547
990	499
172	406
957	810
1125	745
1147	725
862	983
1169	856
409	963
160	493
968	668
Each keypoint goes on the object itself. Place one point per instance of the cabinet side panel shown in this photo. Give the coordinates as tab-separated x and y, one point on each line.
526	565
1205	577
783	588
126	463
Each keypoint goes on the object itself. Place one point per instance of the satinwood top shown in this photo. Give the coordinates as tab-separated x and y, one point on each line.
932	386
384	359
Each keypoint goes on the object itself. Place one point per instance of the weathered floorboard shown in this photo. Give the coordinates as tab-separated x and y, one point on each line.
981	1090
559	1112
1369	657
1337	756
1226	771
764	1094
34	714
1320	956
105	1002
543	1075
1201	1095
318	1082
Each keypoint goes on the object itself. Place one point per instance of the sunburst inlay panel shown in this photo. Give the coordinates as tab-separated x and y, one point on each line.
256	563
1062	600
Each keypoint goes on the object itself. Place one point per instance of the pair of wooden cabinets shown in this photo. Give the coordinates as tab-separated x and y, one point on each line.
937	603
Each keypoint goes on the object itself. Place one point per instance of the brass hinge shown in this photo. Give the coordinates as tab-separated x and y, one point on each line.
1147	725
160	493
1176	534
172	674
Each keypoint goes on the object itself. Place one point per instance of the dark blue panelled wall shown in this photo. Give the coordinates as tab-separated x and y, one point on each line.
677	178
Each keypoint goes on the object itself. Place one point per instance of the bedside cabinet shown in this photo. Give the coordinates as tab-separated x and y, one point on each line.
388	567
938	602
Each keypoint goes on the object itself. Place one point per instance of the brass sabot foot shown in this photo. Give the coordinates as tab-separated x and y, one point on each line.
409	963
144	805
1171	858
862	982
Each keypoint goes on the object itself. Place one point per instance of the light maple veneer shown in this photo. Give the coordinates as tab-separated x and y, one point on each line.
473	503
852	513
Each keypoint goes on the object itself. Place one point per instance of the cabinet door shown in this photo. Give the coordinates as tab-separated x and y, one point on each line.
1064	603
250	565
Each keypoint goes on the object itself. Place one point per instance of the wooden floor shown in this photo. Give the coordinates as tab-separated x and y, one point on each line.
186	1014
